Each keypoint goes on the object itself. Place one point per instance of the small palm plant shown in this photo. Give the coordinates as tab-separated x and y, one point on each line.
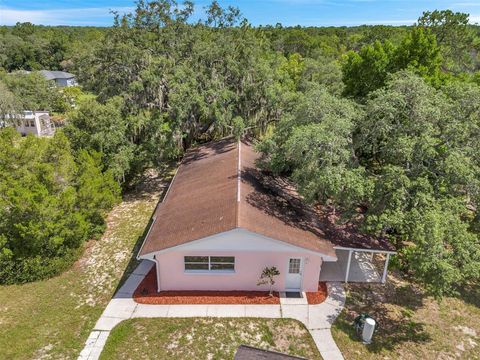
268	277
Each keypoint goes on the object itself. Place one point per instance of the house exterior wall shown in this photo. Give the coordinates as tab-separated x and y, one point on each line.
23	129
253	252
248	267
36	123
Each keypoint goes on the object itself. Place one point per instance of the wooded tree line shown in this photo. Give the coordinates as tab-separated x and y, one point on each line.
30	91
32	47
379	123
51	201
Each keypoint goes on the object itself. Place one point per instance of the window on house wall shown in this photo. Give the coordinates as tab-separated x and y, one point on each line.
294	266
209	263
193	263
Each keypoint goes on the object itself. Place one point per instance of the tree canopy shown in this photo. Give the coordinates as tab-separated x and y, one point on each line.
50	203
409	159
33	92
379	123
455	36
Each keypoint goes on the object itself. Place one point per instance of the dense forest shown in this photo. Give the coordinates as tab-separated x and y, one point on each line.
380	124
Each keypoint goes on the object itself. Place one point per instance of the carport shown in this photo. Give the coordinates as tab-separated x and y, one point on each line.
357	265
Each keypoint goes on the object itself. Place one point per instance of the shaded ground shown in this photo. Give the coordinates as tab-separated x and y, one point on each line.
207	338
411	325
51	319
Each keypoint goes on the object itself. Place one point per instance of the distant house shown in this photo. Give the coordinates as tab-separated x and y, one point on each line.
223	221
37	123
61	78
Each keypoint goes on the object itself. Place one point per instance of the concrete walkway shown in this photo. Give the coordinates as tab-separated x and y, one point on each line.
317	318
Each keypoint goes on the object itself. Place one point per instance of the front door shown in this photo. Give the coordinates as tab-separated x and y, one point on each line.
293	281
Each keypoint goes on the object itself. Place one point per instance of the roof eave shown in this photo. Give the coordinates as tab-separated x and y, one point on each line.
325	256
382	251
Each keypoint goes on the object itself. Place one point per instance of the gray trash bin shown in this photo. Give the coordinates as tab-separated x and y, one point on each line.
368	329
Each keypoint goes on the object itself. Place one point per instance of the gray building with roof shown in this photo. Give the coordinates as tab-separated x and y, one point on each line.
61	78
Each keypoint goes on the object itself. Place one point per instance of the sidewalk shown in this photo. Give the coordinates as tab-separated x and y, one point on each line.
316	318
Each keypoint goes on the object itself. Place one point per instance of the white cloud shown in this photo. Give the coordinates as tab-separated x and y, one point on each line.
465	4
474	19
322	22
101	16
385	22
86	16
307	2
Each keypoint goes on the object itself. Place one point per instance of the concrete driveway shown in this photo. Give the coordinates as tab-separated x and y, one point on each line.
361	268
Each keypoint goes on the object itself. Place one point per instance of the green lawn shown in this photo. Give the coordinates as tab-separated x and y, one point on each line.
412	325
206	338
52	318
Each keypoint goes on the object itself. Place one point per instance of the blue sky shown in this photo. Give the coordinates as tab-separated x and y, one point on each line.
287	12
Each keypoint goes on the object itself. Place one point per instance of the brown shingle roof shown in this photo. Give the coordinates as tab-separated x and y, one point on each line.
201	200
268	208
207	197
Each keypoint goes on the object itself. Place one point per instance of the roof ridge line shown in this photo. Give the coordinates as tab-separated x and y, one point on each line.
239	176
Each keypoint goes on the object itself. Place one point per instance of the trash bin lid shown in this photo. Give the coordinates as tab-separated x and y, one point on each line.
370	321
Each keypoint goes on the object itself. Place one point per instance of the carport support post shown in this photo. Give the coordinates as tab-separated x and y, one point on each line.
384	276
348	265
157	268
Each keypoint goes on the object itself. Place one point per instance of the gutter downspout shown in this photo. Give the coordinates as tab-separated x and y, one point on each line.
348	265
157	267
385	269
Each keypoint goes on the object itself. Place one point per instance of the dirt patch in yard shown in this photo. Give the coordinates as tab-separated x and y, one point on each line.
101	260
146	293
412	325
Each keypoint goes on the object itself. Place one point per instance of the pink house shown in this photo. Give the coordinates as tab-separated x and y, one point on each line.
223	221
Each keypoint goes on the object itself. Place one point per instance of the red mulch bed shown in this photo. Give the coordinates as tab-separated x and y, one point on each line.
146	293
318	296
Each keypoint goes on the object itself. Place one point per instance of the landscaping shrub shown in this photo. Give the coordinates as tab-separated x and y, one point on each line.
20	271
51	202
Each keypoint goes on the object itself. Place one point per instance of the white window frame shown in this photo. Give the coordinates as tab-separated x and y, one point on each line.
299	265
210	262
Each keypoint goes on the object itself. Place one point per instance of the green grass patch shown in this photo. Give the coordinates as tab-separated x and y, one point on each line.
52	318
411	324
206	338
